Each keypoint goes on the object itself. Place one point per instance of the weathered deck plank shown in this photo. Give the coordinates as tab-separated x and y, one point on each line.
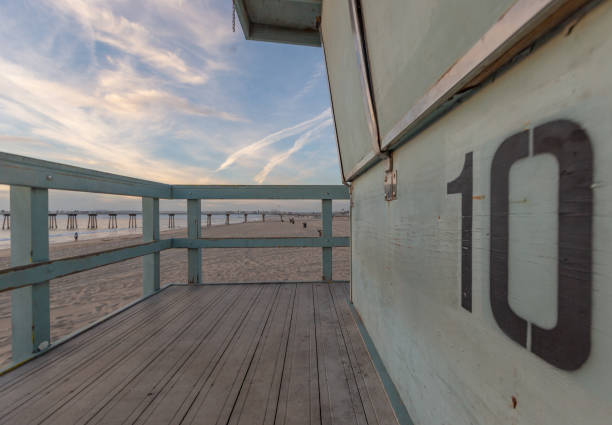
63	363
138	385
337	385
298	403
93	379
226	354
258	397
374	401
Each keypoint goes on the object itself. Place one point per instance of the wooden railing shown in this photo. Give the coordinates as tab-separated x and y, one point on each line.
28	278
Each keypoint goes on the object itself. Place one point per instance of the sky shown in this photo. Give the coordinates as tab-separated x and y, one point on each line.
161	90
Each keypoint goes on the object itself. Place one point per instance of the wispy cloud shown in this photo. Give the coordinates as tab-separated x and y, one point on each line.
130	37
101	123
312	82
23	140
122	91
273	138
297	145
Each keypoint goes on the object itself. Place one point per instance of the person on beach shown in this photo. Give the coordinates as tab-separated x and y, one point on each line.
76	236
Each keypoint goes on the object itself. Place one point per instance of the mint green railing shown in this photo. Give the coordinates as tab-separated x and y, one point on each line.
28	278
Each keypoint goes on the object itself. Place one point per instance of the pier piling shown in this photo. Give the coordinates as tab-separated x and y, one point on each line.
132	222
72	222
52	221
170	221
92	221
112	221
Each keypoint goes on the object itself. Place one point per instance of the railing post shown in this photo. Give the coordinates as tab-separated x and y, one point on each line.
326	232
194	231
30	318
150	233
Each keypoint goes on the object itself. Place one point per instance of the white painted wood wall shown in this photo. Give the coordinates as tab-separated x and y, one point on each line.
452	366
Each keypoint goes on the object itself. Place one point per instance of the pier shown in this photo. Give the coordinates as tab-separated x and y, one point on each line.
171	223
112	221
72	222
92	221
52	221
92	217
132	221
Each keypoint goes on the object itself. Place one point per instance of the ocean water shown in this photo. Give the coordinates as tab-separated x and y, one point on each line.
61	234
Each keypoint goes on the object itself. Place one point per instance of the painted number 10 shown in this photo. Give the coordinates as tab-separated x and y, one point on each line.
567	345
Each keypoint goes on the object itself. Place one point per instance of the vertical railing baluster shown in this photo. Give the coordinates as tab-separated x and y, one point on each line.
150	233
326	232
194	231
30	318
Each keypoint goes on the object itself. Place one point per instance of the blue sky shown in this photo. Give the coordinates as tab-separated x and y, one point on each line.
161	90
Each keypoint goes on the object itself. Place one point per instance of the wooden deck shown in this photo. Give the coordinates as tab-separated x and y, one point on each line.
216	354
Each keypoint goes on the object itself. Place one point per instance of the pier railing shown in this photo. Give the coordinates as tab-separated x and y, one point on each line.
31	270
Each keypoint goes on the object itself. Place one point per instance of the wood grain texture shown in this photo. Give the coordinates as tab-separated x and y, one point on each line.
454	366
231	354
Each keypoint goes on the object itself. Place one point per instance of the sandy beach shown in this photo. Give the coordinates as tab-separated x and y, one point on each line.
82	298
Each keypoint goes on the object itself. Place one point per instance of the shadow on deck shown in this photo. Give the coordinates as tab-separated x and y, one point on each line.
214	354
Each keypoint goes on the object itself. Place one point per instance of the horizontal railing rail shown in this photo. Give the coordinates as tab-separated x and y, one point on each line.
320	242
31	270
37	273
23	171
260	192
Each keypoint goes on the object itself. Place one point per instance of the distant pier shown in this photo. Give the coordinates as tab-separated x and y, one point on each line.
92	217
92	221
52	221
72	222
112	220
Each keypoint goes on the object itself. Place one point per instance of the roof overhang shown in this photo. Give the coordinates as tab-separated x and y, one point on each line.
280	21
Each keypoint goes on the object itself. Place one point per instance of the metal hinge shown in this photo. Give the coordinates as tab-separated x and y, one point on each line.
390	180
